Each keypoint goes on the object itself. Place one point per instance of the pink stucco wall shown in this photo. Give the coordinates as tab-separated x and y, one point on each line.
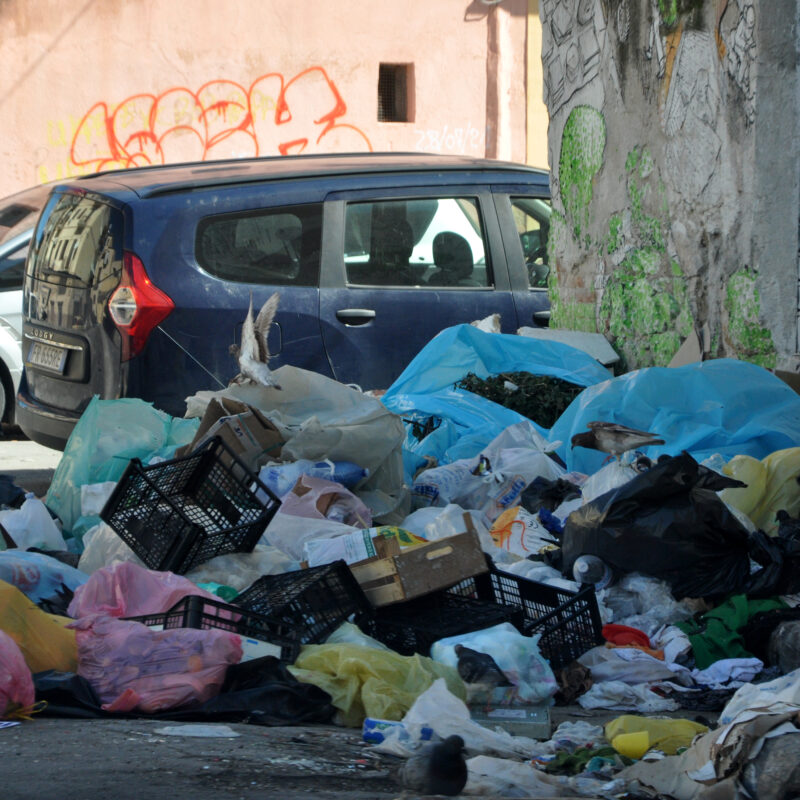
91	84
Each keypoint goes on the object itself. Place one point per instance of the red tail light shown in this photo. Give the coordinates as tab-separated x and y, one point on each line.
137	306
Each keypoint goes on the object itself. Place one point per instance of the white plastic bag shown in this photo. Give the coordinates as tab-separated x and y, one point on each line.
640	601
611	476
501	777
240	570
490	485
492	481
541	573
519	532
446	715
621	696
94	497
316	498
103	548
32	526
517	656
289	533
348	633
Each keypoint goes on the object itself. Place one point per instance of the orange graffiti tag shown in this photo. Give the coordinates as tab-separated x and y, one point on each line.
220	120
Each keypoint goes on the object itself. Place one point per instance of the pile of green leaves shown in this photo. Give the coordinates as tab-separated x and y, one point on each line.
541	398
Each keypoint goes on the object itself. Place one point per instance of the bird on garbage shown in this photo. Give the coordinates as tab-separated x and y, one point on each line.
436	769
477	667
614	439
253	355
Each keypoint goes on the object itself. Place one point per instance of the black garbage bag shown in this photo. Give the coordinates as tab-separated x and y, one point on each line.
669	523
261	692
544	493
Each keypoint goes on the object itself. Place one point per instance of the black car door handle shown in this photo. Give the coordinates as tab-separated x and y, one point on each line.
355	316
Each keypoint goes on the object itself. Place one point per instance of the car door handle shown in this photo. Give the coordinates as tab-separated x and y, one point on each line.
541	317
355	316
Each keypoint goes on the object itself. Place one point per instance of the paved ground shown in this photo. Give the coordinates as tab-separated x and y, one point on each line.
29	463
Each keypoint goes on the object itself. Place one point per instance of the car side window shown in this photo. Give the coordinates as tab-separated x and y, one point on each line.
274	246
420	242
532	218
12	270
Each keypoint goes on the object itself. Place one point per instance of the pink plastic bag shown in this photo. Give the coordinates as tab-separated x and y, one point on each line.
16	683
132	667
128	590
316	498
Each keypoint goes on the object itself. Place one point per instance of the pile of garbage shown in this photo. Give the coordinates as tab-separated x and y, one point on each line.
435	569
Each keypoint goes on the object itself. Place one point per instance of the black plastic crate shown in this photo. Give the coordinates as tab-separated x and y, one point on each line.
413	626
180	513
568	622
195	611
311	602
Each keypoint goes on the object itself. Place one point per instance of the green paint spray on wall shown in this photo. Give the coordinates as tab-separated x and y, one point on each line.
582	145
645	302
750	340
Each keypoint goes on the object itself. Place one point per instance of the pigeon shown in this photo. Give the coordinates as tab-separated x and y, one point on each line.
253	355
477	667
614	439
436	769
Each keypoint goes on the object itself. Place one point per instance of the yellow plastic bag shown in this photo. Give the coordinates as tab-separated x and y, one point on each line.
44	641
771	485
366	682
663	733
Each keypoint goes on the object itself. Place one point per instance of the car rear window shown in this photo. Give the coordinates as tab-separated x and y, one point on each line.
275	246
78	241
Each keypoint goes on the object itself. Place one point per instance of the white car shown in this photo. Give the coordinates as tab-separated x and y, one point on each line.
18	215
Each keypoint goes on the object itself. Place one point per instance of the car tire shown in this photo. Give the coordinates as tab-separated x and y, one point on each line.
6	395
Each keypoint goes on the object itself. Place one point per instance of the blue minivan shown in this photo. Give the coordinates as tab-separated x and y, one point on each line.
137	281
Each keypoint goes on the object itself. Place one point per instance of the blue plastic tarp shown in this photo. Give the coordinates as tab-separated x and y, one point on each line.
425	388
721	406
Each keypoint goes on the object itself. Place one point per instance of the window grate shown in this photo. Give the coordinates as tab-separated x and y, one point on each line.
393	90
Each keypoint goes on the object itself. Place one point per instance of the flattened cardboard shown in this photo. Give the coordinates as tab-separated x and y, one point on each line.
417	571
249	434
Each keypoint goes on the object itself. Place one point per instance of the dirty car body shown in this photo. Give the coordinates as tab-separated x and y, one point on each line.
138	281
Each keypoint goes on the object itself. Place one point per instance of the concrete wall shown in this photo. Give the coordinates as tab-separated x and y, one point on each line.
673	146
536	109
96	84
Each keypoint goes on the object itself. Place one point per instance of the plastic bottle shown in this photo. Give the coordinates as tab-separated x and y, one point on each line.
591	569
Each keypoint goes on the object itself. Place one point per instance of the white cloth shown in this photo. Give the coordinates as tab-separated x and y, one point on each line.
618	695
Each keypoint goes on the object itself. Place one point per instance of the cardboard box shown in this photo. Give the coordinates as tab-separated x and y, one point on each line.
249	434
392	577
791	379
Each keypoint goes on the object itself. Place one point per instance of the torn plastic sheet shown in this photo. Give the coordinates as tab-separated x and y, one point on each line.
721	406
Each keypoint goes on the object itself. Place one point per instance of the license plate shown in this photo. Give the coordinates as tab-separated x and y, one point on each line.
47	356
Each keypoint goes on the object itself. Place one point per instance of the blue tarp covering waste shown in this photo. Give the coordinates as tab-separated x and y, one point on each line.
425	388
722	406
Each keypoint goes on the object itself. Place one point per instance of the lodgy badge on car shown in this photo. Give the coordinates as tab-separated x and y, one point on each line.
138	281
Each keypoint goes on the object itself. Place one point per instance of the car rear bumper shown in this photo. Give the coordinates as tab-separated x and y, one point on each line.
44	426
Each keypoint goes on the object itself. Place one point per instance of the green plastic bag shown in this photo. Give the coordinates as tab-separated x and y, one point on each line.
107	436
